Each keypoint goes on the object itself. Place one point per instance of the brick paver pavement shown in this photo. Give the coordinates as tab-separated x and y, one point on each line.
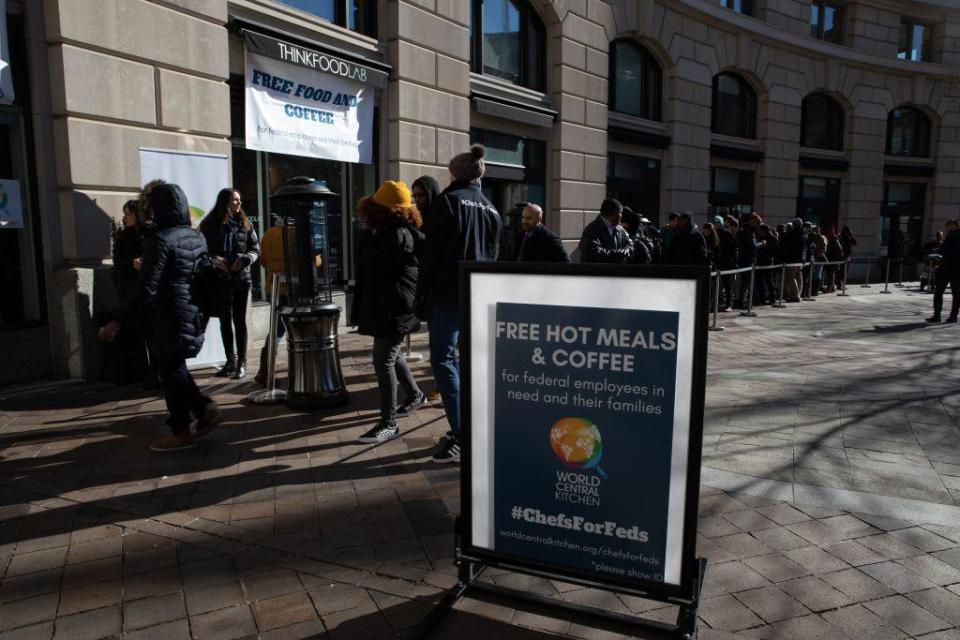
828	510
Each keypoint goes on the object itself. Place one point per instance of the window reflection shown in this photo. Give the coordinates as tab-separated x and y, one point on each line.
501	39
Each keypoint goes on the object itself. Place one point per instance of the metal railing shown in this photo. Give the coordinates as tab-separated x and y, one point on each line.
806	293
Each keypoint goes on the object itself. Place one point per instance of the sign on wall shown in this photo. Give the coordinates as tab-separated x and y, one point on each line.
11	205
306	103
201	176
583	418
6	72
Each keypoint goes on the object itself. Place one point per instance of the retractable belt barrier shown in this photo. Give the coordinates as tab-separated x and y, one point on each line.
807	295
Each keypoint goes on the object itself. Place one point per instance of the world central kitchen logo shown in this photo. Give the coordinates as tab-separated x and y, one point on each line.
577	444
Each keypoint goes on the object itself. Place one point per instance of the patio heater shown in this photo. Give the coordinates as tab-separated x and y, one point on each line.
315	380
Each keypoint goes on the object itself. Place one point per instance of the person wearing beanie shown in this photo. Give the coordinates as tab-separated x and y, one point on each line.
463	226
604	240
173	260
383	301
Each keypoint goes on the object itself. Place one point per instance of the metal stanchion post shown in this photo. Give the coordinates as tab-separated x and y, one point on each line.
886	279
866	283
808	296
783	277
409	355
749	312
271	395
843	282
900	275
716	304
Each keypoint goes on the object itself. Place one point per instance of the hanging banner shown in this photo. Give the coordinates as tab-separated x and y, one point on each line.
201	176
6	72
11	205
583	418
320	106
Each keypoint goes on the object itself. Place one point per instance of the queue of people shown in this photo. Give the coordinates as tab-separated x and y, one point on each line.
411	242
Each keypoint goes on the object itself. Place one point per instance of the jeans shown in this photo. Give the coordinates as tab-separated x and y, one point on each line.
764	287
945	276
727	282
391	368
793	287
181	394
444	332
233	319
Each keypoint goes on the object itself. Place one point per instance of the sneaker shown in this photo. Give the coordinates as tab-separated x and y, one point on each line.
174	443
408	407
380	433
207	420
933	318
449	451
227	370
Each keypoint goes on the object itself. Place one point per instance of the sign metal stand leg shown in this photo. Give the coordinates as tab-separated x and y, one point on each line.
749	312
271	395
843	282
469	572
783	277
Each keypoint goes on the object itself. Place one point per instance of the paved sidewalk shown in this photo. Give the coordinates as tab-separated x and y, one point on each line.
829	507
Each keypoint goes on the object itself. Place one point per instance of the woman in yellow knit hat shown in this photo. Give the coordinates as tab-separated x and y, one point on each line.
384	298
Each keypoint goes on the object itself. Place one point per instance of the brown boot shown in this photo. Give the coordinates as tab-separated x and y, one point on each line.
174	443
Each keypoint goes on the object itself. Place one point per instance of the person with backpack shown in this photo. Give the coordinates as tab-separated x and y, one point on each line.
170	279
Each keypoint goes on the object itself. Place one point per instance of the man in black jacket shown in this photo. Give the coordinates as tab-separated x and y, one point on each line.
746	257
728	255
463	225
536	243
948	273
604	240
768	248
687	246
793	249
170	278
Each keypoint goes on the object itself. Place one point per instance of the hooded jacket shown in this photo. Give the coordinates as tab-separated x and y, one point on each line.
386	289
170	278
431	187
463	225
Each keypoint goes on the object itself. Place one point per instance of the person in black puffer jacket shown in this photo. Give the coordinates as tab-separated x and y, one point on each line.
383	303
170	279
948	273
234	247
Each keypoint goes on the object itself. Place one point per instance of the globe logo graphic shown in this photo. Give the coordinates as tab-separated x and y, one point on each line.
577	444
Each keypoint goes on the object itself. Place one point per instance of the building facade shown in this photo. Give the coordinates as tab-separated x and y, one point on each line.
844	112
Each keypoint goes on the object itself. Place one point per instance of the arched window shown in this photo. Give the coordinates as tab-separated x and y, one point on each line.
734	106
635	81
908	133
821	123
508	41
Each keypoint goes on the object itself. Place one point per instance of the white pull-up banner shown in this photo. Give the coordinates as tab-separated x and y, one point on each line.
6	73
305	103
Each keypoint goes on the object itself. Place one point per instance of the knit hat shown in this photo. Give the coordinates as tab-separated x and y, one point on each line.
393	194
469	165
718	220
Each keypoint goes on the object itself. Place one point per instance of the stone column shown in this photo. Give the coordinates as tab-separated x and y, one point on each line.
429	106
123	74
577	182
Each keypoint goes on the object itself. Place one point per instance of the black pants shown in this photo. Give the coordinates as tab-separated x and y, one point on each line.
727	282
947	276
181	393
391	368
233	319
146	325
764	286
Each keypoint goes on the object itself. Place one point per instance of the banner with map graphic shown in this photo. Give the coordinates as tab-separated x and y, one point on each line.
584	421
201	176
